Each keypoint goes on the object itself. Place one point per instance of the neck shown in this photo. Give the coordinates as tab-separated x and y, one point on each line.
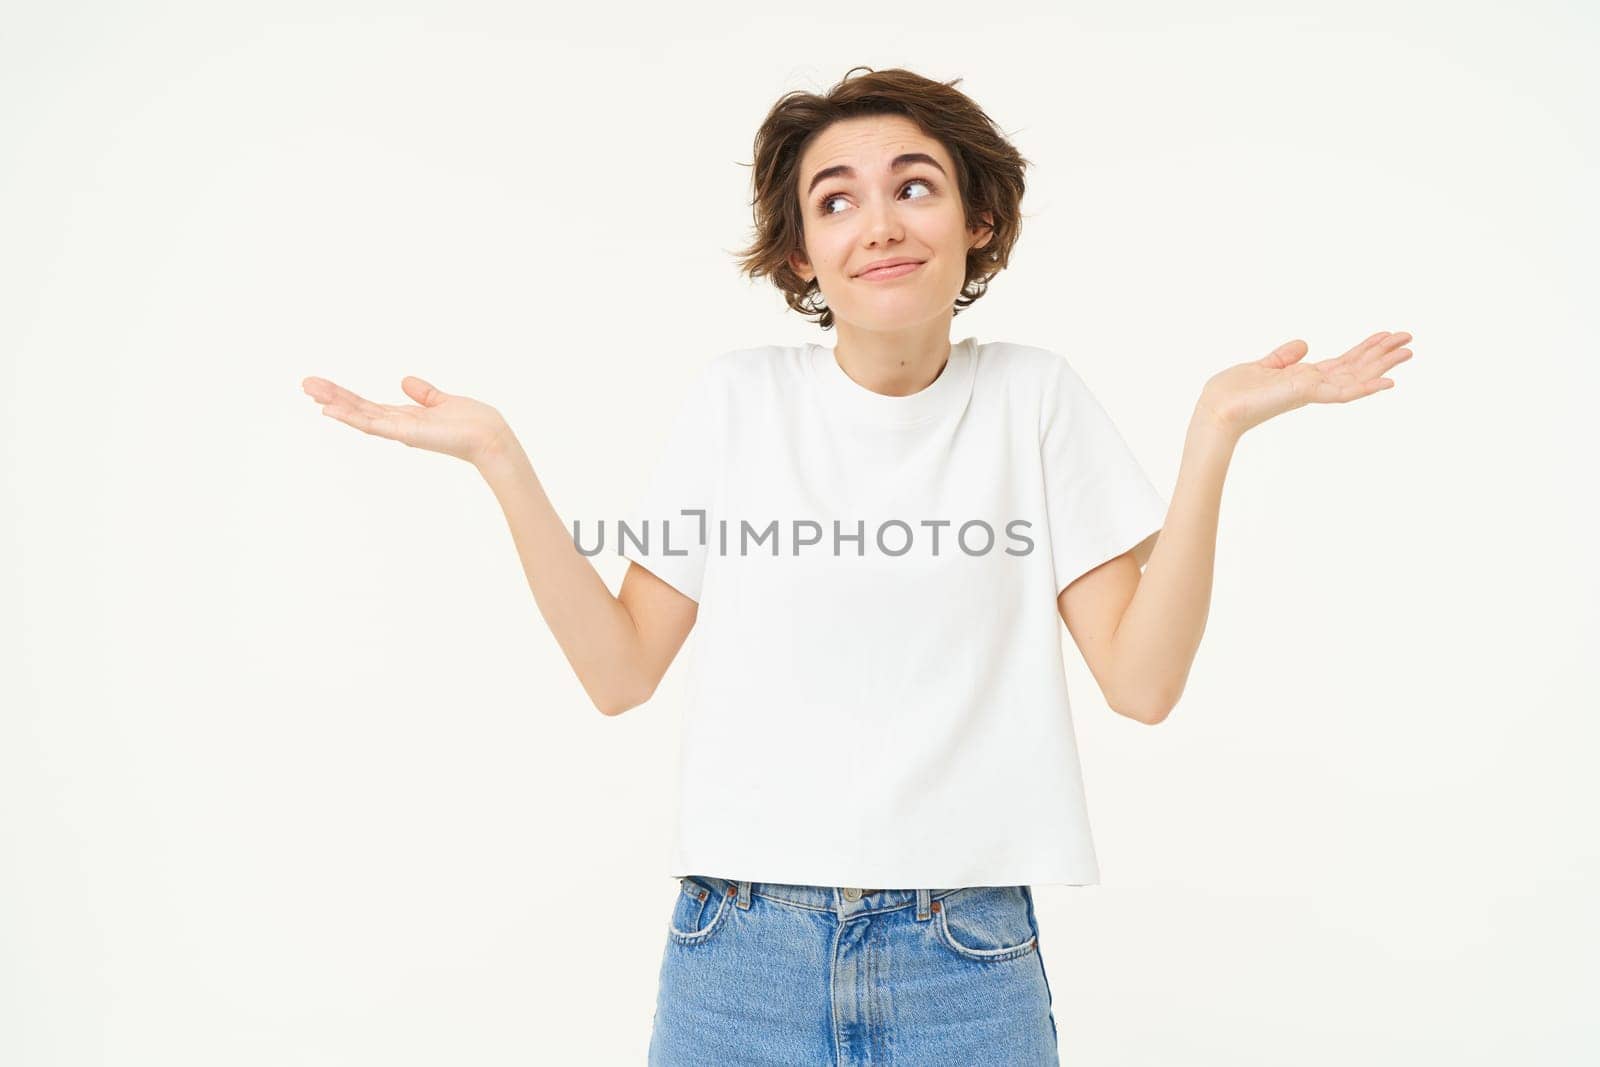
896	362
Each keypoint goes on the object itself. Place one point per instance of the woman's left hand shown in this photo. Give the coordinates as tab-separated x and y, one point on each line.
1251	393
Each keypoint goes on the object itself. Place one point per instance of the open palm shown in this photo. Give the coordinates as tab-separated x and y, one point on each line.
1250	393
439	422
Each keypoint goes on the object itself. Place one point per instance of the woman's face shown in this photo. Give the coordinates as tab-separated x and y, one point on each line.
876	210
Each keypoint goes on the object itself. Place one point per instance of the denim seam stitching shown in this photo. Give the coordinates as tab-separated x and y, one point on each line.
978	955
873	911
700	935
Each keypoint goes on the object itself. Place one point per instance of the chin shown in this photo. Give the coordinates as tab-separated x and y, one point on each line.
887	316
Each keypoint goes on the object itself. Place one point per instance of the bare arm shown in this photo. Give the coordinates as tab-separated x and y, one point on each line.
1139	634
619	646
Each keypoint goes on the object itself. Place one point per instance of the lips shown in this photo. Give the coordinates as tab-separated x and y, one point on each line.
891	269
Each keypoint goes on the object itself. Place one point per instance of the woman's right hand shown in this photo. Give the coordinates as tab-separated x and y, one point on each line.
455	425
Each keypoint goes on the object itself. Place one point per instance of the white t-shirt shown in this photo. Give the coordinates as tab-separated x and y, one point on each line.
877	695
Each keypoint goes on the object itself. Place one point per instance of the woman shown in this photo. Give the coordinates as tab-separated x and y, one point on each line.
877	544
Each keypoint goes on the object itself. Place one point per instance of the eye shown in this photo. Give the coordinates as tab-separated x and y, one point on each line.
823	203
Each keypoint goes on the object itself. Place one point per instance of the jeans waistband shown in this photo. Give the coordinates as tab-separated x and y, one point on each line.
844	901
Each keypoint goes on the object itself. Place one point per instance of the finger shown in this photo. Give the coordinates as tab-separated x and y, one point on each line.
325	392
378	425
1370	367
1286	353
319	389
1355	354
1355	390
1374	359
1391	361
421	391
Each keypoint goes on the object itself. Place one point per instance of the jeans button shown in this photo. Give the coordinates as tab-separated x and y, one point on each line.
852	894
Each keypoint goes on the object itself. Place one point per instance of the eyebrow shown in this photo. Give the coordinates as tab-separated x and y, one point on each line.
903	160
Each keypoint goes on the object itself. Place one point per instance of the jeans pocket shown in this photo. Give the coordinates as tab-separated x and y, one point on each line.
986	924
700	909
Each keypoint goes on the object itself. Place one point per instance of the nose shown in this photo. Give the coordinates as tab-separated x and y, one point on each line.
882	225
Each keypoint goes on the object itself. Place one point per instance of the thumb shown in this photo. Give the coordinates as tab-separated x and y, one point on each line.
421	391
1286	353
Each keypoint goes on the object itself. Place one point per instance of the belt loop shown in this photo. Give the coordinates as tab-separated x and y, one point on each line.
744	895
924	908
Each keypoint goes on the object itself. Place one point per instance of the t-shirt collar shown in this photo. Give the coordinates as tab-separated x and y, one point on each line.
947	392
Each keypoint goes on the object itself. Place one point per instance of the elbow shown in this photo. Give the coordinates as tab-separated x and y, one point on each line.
1151	712
614	706
617	703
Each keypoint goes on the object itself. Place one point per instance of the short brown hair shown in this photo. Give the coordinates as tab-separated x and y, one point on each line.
988	173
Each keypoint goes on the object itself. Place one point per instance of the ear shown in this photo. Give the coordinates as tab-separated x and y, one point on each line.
987	230
801	266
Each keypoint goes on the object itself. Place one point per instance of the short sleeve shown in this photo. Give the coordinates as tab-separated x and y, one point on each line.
1099	501
659	536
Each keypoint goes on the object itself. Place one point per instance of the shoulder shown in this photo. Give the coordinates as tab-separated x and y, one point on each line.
740	383
1032	381
1033	366
734	364
751	372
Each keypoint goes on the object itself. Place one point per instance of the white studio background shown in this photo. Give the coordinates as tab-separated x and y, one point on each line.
292	772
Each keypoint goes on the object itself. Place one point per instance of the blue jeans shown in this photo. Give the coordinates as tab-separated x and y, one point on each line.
760	973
